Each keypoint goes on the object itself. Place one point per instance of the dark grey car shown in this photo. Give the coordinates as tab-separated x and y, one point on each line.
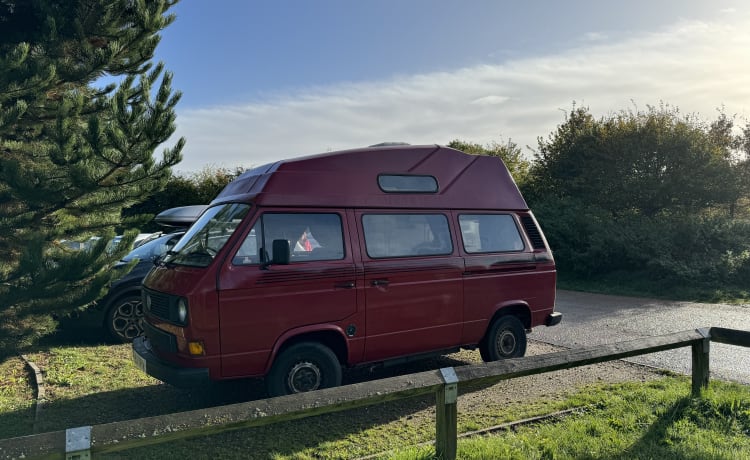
120	311
121	307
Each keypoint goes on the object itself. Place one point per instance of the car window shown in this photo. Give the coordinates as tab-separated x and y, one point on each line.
312	236
248	253
490	233
401	235
153	248
208	235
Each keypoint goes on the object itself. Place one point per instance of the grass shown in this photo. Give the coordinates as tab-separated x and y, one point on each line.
16	397
627	421
72	372
91	384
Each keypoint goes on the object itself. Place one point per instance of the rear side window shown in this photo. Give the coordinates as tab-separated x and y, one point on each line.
402	235
312	236
490	233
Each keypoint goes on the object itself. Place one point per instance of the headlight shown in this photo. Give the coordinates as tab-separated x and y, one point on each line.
182	310
147	301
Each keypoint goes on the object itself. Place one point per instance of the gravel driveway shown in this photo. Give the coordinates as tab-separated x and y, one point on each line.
554	384
495	399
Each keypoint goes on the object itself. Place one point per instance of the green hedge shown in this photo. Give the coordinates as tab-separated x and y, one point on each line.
668	250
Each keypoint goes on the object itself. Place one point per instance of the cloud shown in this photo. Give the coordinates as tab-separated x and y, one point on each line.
490	100
594	36
696	66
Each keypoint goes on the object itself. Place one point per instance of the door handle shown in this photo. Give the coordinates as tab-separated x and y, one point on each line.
379	282
345	285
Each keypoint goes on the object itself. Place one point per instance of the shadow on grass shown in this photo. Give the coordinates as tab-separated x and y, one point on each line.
73	335
287	437
656	442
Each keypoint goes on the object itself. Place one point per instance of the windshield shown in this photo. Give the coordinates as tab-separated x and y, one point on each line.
208	235
153	248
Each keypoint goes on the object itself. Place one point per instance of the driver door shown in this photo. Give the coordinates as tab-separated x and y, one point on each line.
258	305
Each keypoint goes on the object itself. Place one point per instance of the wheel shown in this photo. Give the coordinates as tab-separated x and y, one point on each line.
305	366
124	320
506	338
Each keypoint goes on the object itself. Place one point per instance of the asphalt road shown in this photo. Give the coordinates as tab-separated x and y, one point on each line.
595	319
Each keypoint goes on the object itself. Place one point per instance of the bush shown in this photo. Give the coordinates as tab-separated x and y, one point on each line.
183	190
670	250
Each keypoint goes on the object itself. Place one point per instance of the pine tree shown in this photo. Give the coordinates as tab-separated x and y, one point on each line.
73	154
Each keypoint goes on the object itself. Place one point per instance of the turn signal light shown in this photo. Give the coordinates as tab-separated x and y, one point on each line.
196	349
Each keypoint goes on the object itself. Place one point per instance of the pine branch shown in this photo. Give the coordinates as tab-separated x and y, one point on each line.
73	156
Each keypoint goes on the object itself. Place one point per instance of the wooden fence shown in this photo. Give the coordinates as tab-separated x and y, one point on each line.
83	442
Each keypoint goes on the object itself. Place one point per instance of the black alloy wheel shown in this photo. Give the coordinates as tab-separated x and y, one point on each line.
124	319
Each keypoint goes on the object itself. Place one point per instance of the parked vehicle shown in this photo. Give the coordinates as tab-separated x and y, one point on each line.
375	255
121	306
120	311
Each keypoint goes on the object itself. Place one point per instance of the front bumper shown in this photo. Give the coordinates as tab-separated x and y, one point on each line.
553	319
148	362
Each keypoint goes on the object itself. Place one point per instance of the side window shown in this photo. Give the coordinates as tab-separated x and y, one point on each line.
490	233
401	235
312	236
248	253
405	183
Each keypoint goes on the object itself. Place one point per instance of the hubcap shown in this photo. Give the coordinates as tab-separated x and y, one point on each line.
303	377
127	320
506	343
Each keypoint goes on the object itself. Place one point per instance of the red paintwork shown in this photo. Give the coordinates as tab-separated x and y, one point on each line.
244	314
348	179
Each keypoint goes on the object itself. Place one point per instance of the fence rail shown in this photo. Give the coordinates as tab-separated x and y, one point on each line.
82	442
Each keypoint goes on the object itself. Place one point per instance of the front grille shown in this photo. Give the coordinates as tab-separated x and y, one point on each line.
160	304
537	241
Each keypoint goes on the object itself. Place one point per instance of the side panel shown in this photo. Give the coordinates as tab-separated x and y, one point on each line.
494	280
257	306
414	304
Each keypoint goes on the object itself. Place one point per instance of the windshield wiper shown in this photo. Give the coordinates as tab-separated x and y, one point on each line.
199	252
160	260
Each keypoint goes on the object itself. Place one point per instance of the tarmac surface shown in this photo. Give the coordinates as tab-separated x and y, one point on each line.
595	319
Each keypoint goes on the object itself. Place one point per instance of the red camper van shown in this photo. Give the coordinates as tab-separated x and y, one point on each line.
303	266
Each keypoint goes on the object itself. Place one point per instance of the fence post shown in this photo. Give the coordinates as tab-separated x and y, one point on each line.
78	443
446	431
700	362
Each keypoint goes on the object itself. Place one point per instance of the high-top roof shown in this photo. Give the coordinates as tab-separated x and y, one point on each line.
349	178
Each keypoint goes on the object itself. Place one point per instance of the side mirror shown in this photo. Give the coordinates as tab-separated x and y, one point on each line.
282	253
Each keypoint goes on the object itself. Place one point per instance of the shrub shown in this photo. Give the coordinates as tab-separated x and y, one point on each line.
668	249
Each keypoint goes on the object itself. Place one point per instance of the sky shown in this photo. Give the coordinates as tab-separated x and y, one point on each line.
268	80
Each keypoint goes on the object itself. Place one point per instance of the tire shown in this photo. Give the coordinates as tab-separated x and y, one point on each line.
505	339
302	367
124	319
